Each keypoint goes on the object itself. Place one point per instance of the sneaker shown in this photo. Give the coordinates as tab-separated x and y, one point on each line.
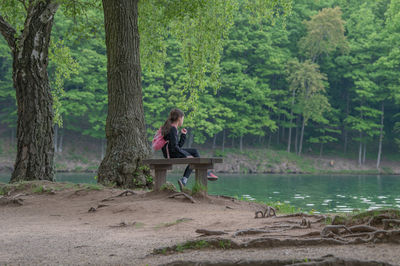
211	176
182	183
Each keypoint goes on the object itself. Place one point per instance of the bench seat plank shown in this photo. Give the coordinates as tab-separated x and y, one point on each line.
200	165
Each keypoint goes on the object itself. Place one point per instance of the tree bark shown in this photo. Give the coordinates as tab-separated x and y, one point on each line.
35	148
125	126
378	161
241	143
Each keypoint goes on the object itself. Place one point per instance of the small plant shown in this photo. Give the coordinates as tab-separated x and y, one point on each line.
224	244
219	153
198	187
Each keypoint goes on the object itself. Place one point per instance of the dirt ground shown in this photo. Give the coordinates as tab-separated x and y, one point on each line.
56	227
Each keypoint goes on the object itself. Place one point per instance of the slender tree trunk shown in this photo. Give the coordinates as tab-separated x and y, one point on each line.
321	149
302	135
296	136
278	131
291	120
214	142
102	148
364	153
241	143
55	138
269	140
35	148
12	136
223	141
345	128
360	151
127	143
378	161
233	142
60	142
191	139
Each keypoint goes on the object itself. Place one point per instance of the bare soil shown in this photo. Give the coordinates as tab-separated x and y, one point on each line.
56	227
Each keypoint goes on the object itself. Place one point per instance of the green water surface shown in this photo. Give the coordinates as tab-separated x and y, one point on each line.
323	193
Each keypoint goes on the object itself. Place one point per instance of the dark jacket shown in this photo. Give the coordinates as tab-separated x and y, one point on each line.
174	147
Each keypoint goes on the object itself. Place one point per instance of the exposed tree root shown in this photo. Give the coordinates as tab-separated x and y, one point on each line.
205	232
182	194
11	201
388	223
251	231
267	213
126	193
323	261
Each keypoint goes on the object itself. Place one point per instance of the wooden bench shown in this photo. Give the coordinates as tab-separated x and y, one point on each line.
200	165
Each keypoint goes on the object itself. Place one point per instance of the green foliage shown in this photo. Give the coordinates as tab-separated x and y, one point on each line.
198	188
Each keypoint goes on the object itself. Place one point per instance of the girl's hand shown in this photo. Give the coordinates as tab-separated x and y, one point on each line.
184	130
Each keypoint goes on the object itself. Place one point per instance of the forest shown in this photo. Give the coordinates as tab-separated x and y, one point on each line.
324	77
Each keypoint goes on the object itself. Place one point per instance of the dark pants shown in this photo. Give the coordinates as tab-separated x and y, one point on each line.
188	170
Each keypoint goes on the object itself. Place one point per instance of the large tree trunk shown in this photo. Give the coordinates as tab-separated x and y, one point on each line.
378	161
125	127
35	149
301	136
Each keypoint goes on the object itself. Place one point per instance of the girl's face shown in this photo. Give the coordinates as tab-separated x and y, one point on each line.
180	121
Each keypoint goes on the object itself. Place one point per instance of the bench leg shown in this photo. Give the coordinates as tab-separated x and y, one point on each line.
160	175
160	178
201	174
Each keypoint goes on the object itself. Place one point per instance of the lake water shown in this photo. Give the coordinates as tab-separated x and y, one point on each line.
323	193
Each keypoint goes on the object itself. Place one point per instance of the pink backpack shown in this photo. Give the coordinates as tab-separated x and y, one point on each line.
159	142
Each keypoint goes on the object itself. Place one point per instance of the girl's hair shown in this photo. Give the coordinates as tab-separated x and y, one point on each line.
174	115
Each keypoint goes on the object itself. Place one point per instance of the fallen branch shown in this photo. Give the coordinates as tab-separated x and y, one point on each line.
205	232
183	194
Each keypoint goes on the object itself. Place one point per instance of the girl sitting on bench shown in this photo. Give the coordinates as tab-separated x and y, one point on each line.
170	133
